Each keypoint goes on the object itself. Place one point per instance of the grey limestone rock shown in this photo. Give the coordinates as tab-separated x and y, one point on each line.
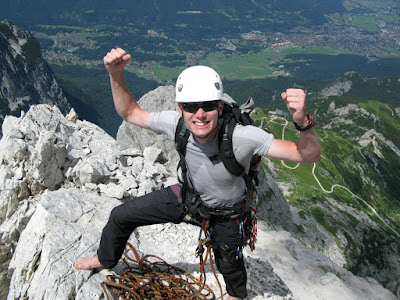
162	98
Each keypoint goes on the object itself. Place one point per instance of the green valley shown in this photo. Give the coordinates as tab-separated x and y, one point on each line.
354	184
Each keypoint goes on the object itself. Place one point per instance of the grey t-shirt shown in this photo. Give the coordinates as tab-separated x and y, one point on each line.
216	185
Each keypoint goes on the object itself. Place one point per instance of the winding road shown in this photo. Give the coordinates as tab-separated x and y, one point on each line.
333	186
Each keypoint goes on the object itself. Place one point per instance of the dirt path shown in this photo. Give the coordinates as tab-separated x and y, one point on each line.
333	186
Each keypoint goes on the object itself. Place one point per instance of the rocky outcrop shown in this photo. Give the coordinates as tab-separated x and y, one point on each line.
44	151
162	98
62	230
66	223
25	77
339	87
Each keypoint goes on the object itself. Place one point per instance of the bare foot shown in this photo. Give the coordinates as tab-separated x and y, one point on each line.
87	263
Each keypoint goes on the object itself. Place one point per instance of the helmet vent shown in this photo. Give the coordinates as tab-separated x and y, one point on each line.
217	86
180	87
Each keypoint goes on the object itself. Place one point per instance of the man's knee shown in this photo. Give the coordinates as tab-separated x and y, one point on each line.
230	266
116	214
121	218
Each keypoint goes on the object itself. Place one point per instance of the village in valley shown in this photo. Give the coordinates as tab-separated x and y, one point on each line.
342	34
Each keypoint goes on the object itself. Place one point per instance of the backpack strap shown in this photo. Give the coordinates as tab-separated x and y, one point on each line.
181	138
227	155
225	146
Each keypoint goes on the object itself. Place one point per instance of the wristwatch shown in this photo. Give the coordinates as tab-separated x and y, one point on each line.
310	124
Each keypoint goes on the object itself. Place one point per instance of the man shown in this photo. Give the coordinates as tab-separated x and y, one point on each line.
199	95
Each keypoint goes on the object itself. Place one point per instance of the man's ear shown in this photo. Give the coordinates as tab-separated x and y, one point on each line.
180	109
220	107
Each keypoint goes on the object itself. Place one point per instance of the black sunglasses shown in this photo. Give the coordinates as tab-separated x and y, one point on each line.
193	107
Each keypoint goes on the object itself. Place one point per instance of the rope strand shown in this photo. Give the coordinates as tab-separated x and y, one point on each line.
200	250
151	277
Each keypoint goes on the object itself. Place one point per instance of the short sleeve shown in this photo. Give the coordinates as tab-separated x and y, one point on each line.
164	122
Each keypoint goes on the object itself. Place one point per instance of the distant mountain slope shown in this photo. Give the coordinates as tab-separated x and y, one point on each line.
166	13
373	129
26	78
385	90
353	192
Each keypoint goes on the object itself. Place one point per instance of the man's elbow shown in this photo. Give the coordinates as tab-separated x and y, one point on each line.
317	157
312	157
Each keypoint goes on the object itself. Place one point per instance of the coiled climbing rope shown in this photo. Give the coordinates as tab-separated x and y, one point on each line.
151	277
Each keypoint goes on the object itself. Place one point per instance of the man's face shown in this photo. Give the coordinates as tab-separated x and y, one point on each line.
201	118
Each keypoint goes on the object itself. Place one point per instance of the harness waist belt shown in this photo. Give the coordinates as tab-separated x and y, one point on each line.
239	208
236	210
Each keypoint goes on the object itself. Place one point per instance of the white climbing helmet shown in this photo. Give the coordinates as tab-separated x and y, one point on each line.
198	84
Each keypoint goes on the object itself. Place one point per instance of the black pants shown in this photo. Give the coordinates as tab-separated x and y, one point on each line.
162	206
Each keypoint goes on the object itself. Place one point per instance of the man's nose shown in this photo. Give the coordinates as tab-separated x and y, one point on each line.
200	112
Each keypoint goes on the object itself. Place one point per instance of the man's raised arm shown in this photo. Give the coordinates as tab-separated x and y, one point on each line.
126	106
306	149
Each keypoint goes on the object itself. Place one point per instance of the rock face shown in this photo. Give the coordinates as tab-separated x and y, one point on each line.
65	223
162	98
60	177
44	151
339	87
25	77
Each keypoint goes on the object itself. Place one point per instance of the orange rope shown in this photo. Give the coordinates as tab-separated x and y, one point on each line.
151	277
203	261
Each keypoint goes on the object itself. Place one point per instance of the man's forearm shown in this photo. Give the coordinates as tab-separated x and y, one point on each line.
115	61
308	146
123	99
125	103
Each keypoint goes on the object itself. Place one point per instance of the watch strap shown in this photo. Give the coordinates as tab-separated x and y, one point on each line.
311	124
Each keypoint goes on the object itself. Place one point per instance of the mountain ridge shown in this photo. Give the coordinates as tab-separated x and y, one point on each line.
26	77
140	8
